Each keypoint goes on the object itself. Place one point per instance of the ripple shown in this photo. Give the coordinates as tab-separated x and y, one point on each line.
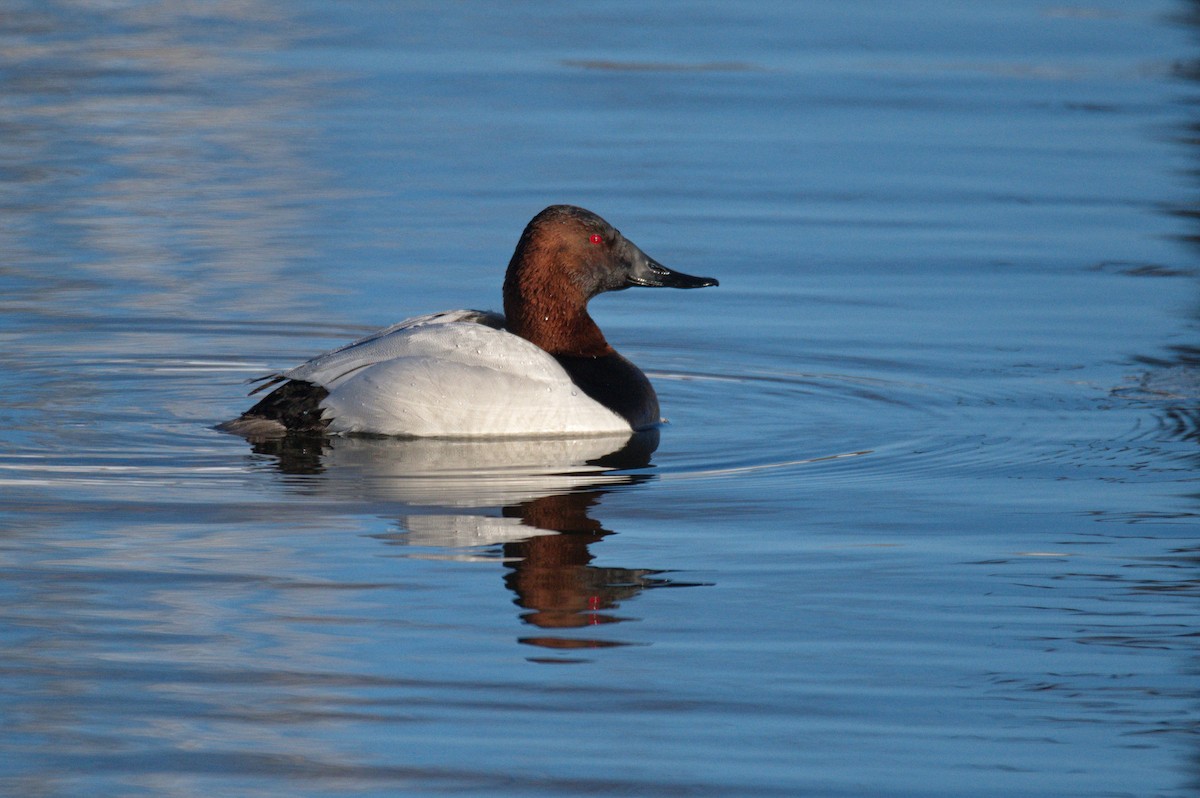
840	427
739	470
127	469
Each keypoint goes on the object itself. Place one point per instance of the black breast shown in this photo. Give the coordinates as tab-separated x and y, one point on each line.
617	384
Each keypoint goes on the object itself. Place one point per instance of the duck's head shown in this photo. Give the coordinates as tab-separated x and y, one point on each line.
566	256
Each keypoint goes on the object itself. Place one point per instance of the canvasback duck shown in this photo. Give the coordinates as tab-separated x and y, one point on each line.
543	368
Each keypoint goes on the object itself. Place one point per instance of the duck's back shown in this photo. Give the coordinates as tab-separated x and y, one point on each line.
417	335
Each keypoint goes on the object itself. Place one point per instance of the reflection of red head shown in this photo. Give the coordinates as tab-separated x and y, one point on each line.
550	573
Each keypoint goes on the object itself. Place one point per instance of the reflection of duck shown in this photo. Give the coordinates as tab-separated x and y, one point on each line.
543	368
531	498
552	575
432	472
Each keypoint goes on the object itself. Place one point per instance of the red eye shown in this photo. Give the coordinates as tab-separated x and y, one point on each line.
596	239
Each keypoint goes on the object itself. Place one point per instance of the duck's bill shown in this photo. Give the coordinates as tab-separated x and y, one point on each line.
652	274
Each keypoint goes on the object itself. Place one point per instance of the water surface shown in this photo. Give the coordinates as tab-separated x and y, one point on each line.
926	504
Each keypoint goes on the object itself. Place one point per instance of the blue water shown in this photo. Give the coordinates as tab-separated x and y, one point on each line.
924	519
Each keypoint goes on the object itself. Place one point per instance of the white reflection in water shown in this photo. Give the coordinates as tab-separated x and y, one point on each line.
147	181
459	473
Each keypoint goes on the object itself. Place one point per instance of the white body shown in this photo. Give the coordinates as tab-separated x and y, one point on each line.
447	375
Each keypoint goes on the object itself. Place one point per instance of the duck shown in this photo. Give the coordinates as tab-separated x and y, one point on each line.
542	368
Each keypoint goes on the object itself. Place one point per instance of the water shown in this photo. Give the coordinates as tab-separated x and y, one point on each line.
926	506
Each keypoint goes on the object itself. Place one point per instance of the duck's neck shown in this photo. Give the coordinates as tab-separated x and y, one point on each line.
555	328
551	314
